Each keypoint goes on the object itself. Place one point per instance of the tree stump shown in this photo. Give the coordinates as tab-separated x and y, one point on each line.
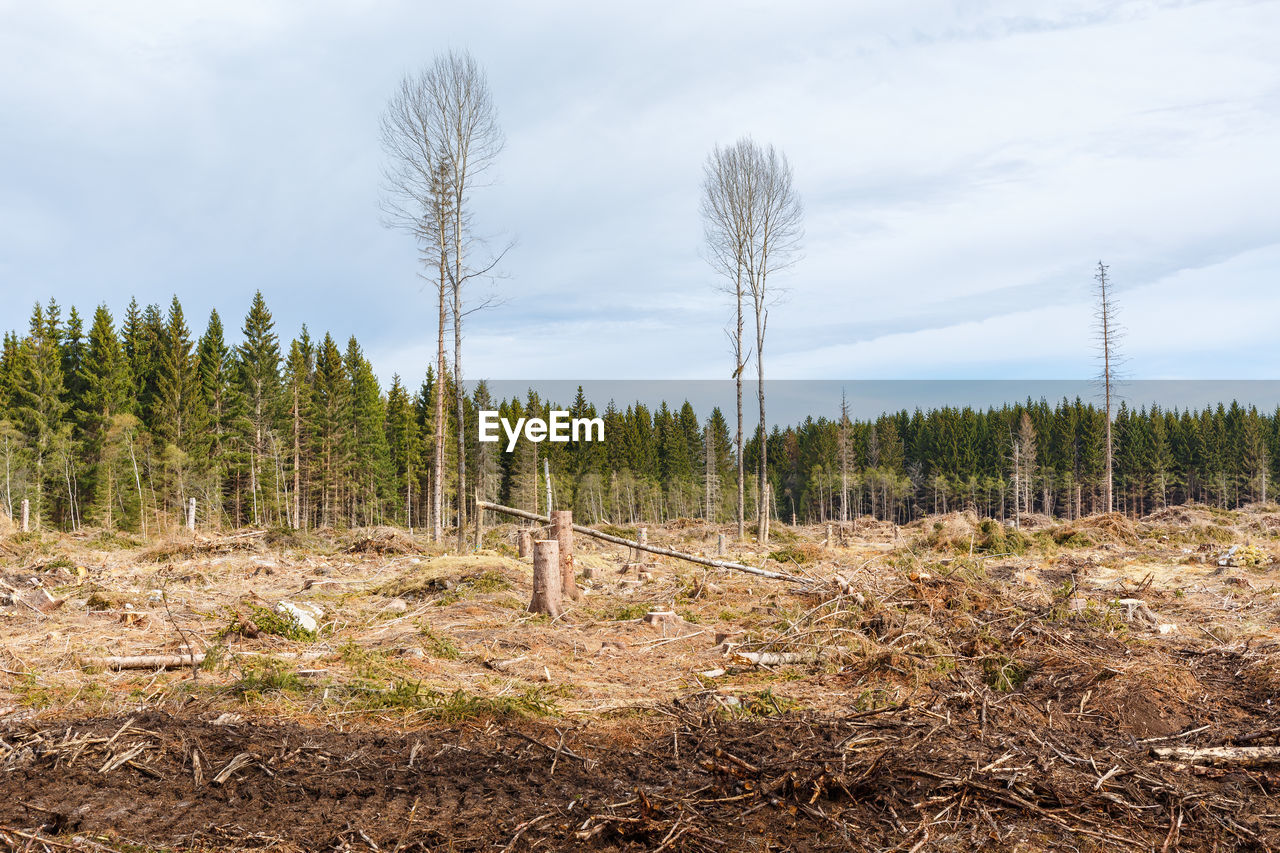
191	515
720	545
546	578
642	537
562	527
26	516
663	618
525	545
830	540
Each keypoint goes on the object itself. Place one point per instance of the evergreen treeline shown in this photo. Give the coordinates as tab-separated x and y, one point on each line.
119	427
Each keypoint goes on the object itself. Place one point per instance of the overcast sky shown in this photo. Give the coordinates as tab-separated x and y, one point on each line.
963	166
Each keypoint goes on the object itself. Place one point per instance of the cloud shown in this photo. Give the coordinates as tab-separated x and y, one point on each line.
963	164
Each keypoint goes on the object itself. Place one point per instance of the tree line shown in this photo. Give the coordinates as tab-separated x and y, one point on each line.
119	426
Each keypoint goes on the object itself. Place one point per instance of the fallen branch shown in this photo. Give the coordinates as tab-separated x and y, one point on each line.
645	546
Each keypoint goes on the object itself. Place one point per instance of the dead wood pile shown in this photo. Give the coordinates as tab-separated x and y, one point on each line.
383	541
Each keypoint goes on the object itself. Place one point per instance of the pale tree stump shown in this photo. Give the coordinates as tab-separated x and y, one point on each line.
26	516
830	541
191	515
526	544
562	529
546	578
720	545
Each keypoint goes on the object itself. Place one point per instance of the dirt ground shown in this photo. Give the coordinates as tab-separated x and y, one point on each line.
951	685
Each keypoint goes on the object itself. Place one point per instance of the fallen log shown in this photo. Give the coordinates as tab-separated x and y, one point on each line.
175	661
645	546
146	661
774	658
1239	756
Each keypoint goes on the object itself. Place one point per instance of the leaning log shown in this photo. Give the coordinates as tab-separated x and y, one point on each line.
645	546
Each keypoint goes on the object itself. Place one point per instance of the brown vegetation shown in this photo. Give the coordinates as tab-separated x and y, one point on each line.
953	686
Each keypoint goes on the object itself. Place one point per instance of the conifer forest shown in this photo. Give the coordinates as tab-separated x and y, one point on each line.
119	424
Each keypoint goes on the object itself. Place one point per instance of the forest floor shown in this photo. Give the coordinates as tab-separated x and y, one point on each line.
948	685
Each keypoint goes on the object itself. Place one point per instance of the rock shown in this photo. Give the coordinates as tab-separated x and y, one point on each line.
396	605
304	620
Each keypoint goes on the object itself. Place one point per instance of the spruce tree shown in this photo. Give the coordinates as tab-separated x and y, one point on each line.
222	403
104	376
177	406
404	444
369	458
258	368
38	398
299	374
330	427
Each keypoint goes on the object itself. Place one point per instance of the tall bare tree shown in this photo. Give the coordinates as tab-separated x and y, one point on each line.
752	218
725	209
416	198
440	133
1108	334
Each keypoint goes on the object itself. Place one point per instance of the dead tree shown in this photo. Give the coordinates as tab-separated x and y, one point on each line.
844	447
1108	333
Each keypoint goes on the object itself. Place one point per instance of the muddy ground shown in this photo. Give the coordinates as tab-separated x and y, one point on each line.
947	686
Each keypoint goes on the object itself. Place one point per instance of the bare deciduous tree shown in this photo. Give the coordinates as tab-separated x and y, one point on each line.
440	134
752	219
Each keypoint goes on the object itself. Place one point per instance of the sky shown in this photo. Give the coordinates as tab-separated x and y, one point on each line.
964	166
